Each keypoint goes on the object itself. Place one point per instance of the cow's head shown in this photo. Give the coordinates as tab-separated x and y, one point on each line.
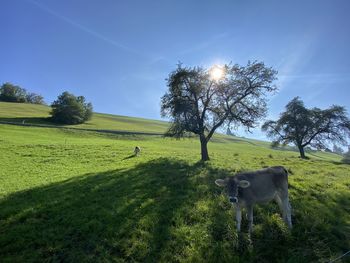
232	184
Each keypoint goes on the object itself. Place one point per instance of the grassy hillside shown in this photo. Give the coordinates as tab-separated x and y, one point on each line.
80	196
38	114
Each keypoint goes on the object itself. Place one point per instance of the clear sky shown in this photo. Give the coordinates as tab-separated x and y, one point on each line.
119	53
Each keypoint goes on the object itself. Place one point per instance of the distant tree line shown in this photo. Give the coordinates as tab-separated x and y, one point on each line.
67	109
14	93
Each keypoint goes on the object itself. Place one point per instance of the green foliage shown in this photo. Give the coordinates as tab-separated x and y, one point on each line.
70	195
69	109
315	127
198	104
12	93
34	98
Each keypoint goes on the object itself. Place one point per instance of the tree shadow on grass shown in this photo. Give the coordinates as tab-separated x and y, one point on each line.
317	156
29	120
164	210
120	214
321	230
129	157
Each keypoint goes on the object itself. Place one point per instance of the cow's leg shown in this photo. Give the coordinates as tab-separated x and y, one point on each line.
279	202
283	202
288	211
238	217
250	217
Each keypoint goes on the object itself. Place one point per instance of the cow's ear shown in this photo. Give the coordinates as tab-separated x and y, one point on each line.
221	182
244	184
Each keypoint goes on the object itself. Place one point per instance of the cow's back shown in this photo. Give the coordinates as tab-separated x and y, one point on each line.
264	184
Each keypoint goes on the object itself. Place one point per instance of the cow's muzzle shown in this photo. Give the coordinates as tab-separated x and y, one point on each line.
233	199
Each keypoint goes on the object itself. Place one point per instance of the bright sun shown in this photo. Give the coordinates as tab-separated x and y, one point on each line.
216	72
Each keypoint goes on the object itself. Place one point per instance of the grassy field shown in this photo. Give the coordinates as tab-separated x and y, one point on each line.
81	196
38	114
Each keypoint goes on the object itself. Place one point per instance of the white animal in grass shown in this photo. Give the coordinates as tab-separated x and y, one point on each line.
137	150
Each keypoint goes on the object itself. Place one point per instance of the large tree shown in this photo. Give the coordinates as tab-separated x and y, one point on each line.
314	127
69	109
201	100
12	93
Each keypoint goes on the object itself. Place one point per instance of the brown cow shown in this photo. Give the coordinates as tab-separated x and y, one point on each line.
248	188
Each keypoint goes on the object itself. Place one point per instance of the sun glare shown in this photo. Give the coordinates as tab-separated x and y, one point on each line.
216	72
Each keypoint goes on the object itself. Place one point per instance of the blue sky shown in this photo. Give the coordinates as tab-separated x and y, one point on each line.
119	53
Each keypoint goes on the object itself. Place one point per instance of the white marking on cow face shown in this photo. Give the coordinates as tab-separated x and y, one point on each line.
244	183
233	189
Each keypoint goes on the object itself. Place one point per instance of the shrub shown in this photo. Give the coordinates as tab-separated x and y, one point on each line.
69	109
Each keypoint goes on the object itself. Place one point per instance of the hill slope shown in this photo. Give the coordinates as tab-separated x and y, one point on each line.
72	195
75	195
38	114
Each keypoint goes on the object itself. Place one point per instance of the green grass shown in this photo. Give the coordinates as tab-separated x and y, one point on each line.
80	196
38	114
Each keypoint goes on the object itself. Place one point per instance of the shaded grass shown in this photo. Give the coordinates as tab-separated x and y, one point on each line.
76	196
164	210
125	213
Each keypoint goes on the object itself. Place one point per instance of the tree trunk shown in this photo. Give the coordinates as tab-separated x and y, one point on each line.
204	148
302	152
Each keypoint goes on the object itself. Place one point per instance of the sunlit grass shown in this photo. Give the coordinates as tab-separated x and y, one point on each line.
82	196
39	114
